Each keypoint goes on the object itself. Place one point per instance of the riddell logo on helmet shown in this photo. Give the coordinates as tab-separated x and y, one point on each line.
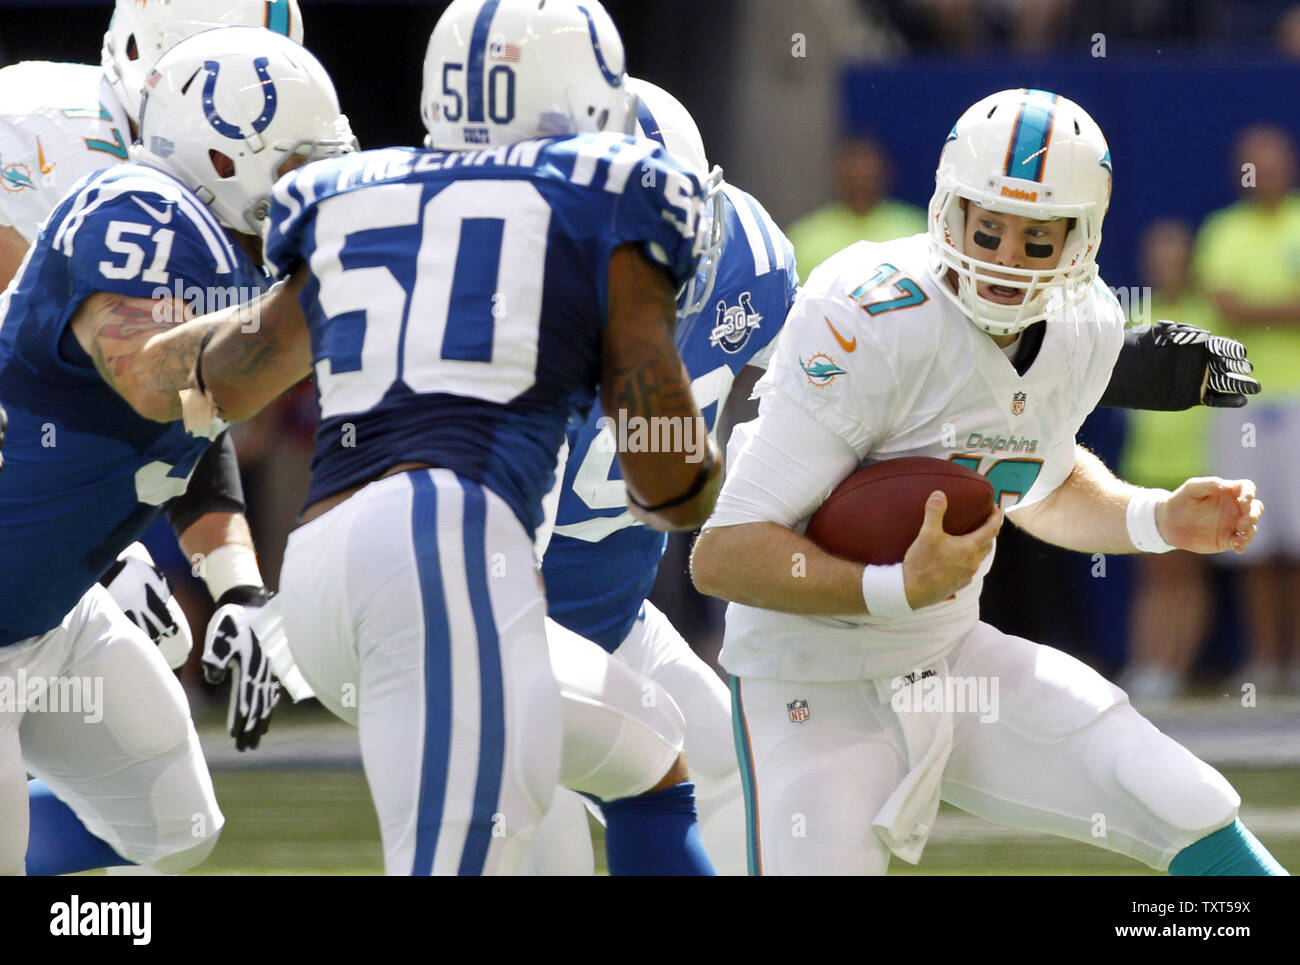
1019	194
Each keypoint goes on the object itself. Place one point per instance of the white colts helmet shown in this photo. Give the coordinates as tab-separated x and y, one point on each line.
662	117
500	71
238	101
140	33
1030	153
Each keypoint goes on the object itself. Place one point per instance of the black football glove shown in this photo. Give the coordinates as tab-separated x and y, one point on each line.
1230	379
254	692
1162	368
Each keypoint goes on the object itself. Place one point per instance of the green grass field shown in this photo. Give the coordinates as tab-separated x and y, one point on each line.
321	822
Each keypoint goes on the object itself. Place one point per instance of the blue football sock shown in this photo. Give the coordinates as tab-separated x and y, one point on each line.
59	843
1229	851
655	834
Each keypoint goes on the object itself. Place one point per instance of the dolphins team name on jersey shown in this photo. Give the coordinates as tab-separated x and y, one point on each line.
84	474
600	563
58	123
457	300
878	354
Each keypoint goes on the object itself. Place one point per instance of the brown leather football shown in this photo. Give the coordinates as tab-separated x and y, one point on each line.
874	515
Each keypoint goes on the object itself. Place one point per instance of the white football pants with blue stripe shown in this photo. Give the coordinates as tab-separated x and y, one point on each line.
415	612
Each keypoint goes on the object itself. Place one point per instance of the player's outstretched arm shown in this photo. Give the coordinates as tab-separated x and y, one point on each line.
1090	512
254	352
1171	366
643	378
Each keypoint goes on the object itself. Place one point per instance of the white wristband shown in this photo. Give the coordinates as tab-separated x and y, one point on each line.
1141	519
883	591
229	566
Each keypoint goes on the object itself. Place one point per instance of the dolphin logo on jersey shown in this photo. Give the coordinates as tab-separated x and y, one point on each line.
821	369
223	126
16	177
734	324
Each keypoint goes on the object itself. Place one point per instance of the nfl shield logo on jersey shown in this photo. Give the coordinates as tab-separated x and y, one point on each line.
1018	403
798	711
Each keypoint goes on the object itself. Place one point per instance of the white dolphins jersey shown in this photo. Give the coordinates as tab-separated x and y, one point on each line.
58	122
877	353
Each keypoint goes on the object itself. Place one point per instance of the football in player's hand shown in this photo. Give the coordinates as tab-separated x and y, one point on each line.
873	516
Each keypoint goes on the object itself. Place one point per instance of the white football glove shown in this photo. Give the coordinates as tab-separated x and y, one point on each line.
230	638
145	596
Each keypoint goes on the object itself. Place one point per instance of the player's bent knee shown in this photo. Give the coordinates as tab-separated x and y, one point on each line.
1178	788
617	752
176	822
187	858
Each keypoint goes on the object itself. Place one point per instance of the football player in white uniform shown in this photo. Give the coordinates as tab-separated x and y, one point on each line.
863	695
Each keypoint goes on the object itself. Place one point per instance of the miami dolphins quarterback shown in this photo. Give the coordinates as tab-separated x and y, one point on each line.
986	340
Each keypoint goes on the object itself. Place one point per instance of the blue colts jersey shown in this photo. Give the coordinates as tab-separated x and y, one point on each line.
84	474
457	301
601	563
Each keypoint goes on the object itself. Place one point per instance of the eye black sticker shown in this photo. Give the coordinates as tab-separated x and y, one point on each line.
991	242
1038	251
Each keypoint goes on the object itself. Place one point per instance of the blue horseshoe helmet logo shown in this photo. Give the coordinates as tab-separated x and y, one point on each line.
223	126
611	78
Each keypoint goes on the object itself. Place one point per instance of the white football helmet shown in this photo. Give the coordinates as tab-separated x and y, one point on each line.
662	117
239	101
1030	153
500	71
141	32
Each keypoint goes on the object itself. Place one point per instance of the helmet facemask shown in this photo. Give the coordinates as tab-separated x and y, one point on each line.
709	238
1035	155
1047	290
258	206
656	115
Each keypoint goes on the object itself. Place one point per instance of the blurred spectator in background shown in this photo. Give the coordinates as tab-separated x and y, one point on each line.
861	209
1173	593
1287	33
1029	26
1248	261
